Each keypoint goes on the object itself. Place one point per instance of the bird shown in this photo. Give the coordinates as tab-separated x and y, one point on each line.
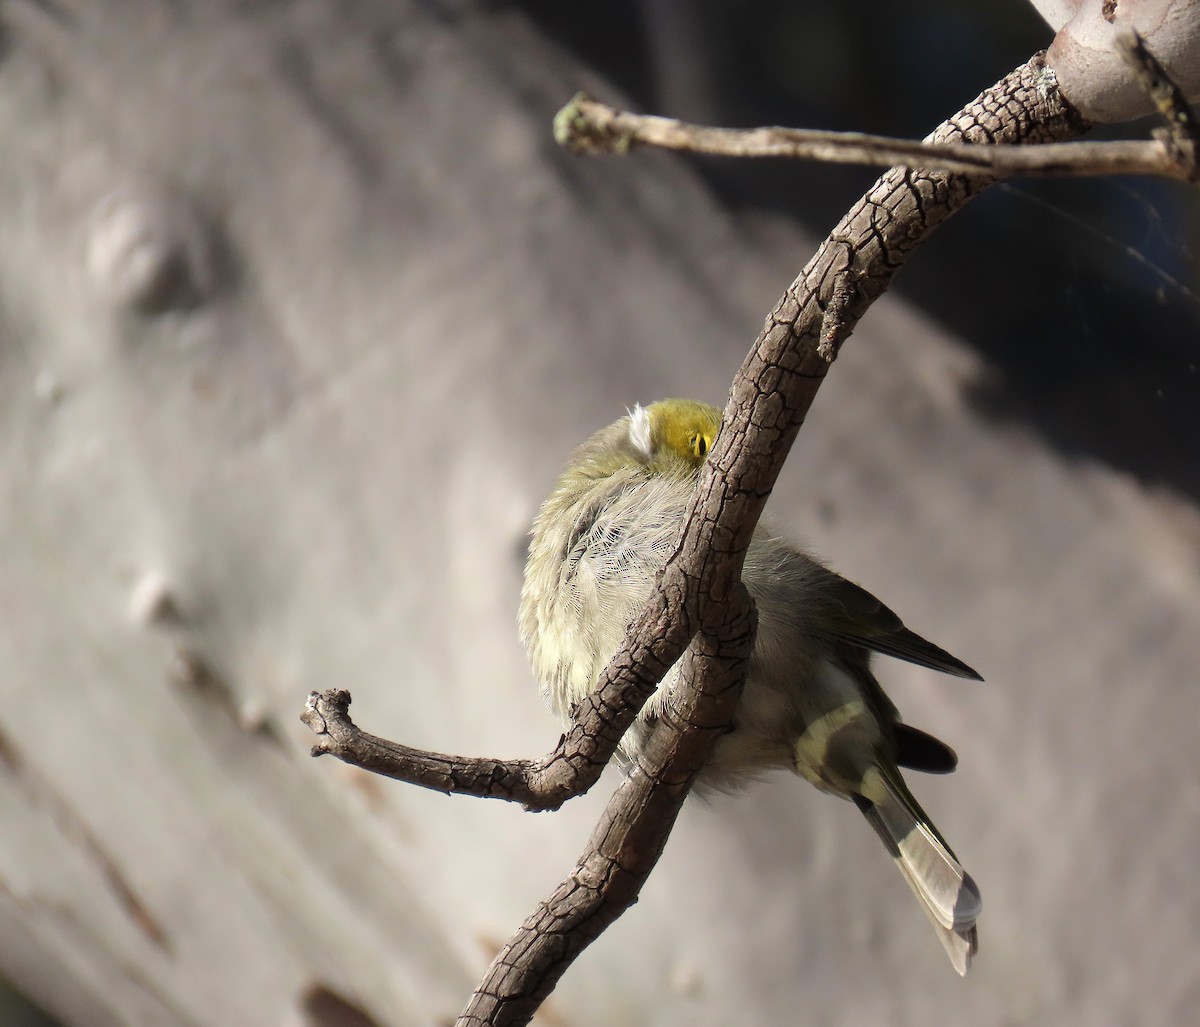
811	703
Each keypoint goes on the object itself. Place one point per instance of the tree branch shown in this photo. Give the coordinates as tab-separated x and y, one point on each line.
701	582
570	769
700	598
631	833
588	126
656	642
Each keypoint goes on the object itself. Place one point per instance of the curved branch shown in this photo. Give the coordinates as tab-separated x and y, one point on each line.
630	835
574	765
700	599
701	582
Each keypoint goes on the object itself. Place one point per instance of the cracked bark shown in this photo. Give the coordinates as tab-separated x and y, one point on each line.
701	599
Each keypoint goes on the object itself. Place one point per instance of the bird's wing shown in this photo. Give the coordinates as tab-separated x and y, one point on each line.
870	624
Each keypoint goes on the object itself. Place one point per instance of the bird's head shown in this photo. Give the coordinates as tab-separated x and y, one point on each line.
672	432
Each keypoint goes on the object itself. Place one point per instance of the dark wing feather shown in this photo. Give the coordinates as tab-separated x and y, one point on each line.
870	624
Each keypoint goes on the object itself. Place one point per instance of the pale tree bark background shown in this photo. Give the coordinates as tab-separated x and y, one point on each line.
300	311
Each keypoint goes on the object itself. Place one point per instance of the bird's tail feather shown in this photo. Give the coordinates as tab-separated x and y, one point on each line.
946	892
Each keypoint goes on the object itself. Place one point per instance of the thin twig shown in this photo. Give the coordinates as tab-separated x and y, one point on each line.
574	765
588	126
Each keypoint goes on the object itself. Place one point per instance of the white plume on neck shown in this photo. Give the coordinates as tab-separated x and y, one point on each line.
640	432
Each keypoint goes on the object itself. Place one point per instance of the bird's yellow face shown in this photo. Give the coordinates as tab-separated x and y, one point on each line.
674	431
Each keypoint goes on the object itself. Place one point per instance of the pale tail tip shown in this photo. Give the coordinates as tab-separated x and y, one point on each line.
961	947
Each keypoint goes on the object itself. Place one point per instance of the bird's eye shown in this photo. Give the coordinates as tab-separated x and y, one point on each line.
700	446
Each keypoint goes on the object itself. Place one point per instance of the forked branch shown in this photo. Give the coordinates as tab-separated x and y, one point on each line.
701	605
701	582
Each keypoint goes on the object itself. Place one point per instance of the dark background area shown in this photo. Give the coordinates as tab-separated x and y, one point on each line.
1080	293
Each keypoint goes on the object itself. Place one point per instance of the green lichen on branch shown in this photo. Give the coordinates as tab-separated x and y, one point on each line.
590	130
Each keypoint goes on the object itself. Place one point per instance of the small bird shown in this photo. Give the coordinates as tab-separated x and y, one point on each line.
811	703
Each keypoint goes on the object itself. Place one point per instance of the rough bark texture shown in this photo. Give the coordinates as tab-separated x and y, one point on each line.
780	377
628	840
